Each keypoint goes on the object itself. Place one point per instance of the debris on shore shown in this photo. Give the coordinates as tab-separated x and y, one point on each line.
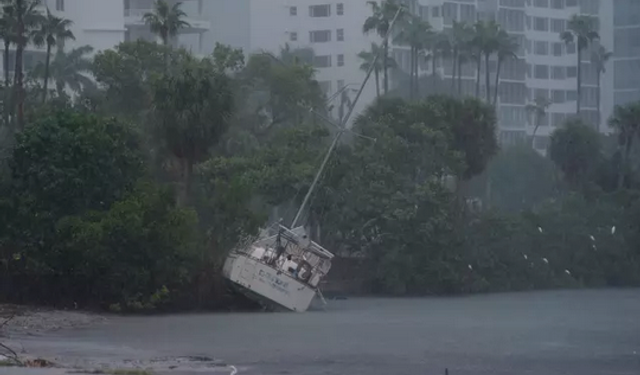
20	320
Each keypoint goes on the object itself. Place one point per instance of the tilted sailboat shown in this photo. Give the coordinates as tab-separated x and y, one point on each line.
282	269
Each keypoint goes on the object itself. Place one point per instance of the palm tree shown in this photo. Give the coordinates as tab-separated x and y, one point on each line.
53	31
7	31
539	110
581	30
459	39
165	20
507	49
380	22
413	32
626	121
441	50
70	69
485	43
27	19
368	58
431	53
599	58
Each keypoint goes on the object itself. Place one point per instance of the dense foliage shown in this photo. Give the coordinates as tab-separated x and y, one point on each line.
128	194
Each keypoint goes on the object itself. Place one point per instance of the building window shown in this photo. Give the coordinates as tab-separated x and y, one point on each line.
540	24
200	6
322	61
450	13
323	10
468	13
557	49
572	95
293	36
557	96
320	36
340	84
60	5
541	48
571	48
435	12
557	25
557	4
340	60
541	93
572	3
541	72
558	72
572	72
541	3
293	11
340	9
340	35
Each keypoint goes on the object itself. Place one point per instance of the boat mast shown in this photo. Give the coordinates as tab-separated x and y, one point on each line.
343	123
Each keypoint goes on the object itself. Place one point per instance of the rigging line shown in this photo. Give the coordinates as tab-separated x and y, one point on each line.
289	210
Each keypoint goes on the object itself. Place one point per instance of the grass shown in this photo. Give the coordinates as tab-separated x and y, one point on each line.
8	363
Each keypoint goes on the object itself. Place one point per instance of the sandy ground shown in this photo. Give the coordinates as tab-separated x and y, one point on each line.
29	327
18	320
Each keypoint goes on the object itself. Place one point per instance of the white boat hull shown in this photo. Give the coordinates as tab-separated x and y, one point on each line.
266	285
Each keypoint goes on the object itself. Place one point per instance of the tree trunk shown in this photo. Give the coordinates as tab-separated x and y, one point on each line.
487	78
19	78
7	85
185	184
598	101
535	130
460	77
377	76
433	71
47	65
497	83
625	161
454	64
478	67
411	68
60	88
417	82
578	82
385	62
7	81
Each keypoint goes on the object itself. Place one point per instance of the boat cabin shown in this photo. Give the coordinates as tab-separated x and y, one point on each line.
290	251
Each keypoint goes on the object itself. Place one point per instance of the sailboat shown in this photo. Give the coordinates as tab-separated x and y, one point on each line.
283	268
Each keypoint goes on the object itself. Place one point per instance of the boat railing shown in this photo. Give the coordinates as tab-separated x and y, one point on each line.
268	257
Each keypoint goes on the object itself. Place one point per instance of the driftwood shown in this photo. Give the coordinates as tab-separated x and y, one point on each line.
11	355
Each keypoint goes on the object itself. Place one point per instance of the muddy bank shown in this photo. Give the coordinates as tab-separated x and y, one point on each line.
31	321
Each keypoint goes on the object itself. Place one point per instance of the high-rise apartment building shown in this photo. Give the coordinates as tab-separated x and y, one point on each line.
620	19
545	66
103	24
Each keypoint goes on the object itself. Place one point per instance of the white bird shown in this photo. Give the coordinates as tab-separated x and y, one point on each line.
545	260
539	229
471	268
567	272
525	256
592	238
234	370
594	247
613	229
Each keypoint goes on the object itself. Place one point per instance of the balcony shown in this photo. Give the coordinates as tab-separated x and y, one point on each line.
133	18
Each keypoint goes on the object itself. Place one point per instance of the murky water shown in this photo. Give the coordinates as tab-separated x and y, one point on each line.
541	333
